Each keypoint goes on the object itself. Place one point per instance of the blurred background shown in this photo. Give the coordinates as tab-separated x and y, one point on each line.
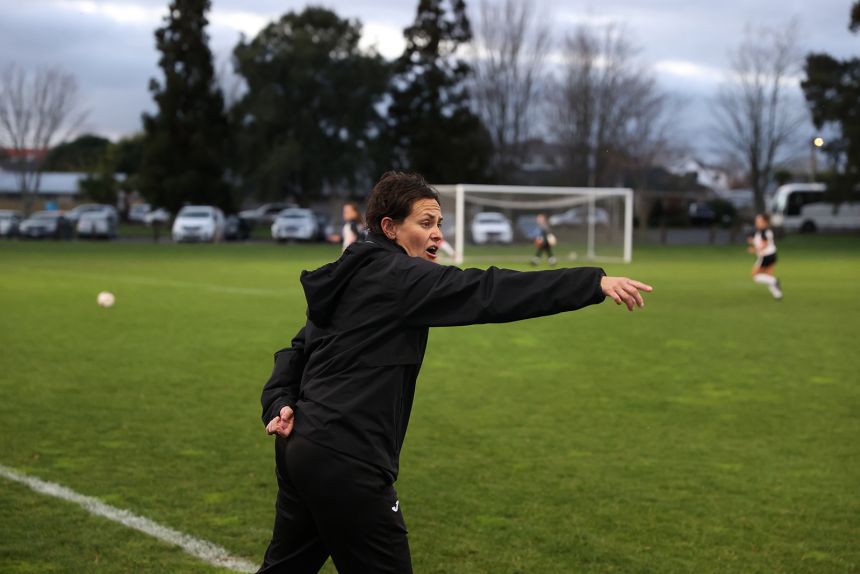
713	431
703	109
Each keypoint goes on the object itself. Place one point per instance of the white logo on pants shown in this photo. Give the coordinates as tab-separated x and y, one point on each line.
396	506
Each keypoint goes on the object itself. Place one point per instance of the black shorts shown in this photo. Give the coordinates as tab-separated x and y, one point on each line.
767	260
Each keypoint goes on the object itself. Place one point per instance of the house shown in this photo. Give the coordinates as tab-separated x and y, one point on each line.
706	176
59	188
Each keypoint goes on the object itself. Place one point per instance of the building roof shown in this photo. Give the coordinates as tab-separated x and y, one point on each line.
53	183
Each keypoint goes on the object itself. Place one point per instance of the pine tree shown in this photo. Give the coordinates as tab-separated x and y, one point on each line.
186	140
832	90
434	129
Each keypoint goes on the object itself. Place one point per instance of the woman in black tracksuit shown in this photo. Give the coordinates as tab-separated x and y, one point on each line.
340	396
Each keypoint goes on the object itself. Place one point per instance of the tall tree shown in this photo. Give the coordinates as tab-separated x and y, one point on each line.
757	116
81	154
186	140
122	158
832	90
434	129
606	107
35	111
855	17
511	44
309	118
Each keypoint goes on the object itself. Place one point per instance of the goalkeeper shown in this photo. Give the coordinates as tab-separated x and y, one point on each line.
340	397
544	241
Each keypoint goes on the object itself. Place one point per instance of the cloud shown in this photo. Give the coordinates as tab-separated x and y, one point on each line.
119	12
688	70
109	44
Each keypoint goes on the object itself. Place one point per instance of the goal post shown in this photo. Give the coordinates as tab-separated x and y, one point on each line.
501	221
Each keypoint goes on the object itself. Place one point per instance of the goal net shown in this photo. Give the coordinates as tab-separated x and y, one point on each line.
500	222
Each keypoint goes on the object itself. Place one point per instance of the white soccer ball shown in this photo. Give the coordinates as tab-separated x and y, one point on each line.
106	299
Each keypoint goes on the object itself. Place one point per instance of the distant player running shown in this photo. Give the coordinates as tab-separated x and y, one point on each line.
762	244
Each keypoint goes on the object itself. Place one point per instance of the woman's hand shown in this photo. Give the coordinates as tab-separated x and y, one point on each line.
624	290
282	425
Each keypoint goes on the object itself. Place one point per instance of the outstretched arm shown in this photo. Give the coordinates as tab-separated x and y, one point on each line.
437	296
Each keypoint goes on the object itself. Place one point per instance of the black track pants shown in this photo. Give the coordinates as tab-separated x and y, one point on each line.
332	504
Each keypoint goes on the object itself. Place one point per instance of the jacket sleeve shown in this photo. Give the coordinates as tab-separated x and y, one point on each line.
282	388
443	296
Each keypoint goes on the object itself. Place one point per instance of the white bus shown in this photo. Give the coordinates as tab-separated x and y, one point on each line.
801	207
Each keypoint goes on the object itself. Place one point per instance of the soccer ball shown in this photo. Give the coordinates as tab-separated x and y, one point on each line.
106	299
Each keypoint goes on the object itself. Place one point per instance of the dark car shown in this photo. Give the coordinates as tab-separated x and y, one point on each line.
324	226
701	213
236	228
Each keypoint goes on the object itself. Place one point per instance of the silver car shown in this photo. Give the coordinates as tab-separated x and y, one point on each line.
198	223
491	227
101	223
295	223
44	224
9	221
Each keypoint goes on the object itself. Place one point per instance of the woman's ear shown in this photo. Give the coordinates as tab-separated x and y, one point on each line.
389	227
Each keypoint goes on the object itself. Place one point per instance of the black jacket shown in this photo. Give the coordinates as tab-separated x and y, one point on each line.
350	372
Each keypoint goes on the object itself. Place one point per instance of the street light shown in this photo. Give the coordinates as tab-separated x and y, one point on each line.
817	143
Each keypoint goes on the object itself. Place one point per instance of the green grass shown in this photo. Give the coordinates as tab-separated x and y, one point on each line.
716	431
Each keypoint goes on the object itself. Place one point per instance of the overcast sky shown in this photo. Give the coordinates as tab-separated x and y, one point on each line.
109	45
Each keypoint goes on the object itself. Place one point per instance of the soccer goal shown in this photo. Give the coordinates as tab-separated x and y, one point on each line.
501	221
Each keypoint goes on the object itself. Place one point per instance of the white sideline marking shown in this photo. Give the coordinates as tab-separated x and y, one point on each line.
206	551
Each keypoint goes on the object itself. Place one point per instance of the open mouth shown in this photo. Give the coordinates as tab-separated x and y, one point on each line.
431	251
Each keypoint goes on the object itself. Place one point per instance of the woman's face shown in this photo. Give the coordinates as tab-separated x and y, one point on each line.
349	213
760	223
420	232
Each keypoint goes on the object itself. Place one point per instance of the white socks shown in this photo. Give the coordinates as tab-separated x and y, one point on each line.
764	279
771	282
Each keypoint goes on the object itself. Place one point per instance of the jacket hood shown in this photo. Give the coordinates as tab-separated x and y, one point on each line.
325	286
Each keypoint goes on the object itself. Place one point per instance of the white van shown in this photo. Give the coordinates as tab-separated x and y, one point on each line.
802	207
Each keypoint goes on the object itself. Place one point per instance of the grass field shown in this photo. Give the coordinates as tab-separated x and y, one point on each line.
716	431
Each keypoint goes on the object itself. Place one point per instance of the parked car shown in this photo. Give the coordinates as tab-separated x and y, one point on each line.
44	224
325	228
137	212
701	213
156	216
265	213
527	227
236	228
75	213
577	216
295	223
9	221
98	223
571	217
198	223
491	227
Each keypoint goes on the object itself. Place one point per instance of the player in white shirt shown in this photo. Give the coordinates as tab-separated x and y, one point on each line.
762	244
353	226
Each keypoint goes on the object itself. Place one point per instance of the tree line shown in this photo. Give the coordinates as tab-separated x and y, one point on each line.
315	114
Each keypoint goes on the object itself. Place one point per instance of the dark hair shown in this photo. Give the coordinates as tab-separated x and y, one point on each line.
393	196
764	216
357	210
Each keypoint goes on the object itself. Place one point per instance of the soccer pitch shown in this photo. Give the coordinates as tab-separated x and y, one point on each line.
715	431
